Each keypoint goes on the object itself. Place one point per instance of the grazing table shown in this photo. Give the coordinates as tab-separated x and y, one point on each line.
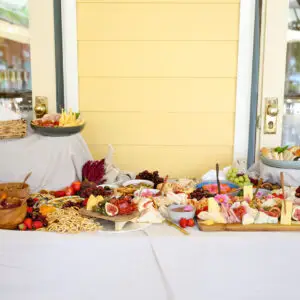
55	162
158	263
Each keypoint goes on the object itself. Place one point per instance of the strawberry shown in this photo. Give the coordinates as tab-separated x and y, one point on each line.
29	210
183	222
36	200
190	223
28	223
37	224
22	227
59	194
84	202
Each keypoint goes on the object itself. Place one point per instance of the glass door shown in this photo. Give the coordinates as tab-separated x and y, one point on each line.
15	56
27	54
279	87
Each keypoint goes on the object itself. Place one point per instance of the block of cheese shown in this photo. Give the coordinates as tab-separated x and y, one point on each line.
248	191
286	218
93	201
213	206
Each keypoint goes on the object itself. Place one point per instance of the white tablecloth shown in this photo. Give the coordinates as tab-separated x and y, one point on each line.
157	264
55	162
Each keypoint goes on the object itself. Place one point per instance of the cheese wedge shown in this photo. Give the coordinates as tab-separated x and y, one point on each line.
248	191
93	201
286	218
213	206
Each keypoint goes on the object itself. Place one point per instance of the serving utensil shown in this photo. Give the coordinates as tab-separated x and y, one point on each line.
25	179
162	186
283	193
218	180
170	223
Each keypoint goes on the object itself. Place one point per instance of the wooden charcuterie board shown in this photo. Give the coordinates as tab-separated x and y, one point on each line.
122	218
252	227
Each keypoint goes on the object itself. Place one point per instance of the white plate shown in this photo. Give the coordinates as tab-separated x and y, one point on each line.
128	227
137	182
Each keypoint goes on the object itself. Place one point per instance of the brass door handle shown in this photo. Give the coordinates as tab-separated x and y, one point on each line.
272	110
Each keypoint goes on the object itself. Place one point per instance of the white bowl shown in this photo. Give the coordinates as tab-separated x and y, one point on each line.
111	186
145	191
176	215
137	182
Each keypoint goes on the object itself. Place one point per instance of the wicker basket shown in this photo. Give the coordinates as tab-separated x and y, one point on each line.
13	129
12	217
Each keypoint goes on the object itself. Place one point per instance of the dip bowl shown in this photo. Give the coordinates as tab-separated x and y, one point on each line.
176	212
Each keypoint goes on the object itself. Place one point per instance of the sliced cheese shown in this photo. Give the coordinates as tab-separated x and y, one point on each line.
248	191
93	201
286	218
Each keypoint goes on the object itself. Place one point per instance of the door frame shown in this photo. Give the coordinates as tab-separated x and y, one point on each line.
244	80
70	54
244	69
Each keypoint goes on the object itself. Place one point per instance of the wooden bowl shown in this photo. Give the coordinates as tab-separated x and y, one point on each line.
10	218
13	189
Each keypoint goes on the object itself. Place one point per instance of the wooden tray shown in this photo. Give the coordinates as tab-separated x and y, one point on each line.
123	218
252	227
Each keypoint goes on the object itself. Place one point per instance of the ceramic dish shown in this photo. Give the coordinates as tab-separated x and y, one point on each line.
56	131
229	183
138	182
111	186
175	216
281	164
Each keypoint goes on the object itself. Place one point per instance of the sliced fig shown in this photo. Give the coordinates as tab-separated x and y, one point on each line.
111	209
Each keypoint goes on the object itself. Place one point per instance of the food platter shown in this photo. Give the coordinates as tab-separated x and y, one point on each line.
252	227
281	164
121	218
108	227
57	131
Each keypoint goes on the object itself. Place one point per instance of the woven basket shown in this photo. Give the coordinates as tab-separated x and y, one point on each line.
12	217
13	129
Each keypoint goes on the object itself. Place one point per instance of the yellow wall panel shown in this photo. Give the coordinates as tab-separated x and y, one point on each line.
159	128
157	80
158	59
100	21
160	1
157	94
167	159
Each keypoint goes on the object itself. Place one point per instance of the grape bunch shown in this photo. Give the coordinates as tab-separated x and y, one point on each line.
240	179
154	177
73	204
200	193
86	191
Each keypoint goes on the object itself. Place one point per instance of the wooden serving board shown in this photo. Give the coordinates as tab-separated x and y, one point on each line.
122	218
252	227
